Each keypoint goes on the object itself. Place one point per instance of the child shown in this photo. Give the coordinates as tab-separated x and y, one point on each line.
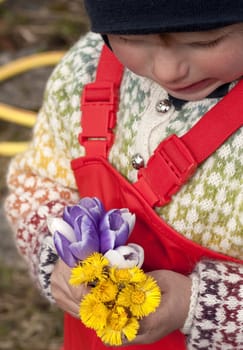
181	59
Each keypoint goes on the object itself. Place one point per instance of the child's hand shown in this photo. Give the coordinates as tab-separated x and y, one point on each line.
173	309
67	297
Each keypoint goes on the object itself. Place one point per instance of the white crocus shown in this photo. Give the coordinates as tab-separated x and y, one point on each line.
126	256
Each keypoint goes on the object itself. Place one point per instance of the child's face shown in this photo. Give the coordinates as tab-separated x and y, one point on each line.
189	65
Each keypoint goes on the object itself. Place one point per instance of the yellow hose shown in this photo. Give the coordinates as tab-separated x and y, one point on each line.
18	115
9	149
24	64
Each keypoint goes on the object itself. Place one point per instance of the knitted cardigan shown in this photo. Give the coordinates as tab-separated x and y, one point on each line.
207	210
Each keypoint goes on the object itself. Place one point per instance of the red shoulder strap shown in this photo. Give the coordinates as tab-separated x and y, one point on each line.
216	125
99	104
176	158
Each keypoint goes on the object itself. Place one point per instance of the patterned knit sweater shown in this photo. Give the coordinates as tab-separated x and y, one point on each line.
207	210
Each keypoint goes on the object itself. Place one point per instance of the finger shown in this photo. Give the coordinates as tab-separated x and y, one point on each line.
78	293
69	306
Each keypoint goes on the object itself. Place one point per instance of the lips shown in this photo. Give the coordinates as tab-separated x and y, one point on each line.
193	87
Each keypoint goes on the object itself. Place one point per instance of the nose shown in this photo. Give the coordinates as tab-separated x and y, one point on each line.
169	66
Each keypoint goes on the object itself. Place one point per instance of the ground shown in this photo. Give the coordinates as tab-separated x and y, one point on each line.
28	322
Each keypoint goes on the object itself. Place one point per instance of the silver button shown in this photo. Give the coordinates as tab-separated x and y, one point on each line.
137	161
163	106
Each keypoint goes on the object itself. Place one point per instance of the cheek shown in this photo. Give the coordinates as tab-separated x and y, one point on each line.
138	65
226	65
234	63
134	59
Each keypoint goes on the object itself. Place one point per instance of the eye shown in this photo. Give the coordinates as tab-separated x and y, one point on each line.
123	39
127	41
207	44
134	39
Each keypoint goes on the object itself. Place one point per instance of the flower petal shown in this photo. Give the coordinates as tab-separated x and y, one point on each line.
93	206
129	218
140	253
133	253
107	240
114	230
126	256
87	237
115	258
85	226
81	250
122	234
69	214
62	245
58	224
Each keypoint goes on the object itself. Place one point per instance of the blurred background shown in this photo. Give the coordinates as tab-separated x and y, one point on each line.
27	321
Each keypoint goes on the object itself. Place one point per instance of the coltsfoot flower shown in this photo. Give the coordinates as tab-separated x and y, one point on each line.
126	276
106	291
89	270
141	298
93	312
119	324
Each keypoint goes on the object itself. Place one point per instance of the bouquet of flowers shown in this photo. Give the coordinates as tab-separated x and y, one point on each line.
91	241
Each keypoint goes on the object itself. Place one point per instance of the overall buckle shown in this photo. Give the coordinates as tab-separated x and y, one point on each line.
167	170
98	107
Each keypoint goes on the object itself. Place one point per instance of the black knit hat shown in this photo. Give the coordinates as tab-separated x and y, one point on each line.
154	16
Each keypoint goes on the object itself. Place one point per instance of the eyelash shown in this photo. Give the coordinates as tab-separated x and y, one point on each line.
131	41
207	44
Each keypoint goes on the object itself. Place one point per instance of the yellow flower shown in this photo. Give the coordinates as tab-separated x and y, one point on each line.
89	270
93	312
141	298
119	324
119	297
106	291
124	276
97	260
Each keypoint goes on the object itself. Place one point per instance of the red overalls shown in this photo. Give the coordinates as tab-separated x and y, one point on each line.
172	164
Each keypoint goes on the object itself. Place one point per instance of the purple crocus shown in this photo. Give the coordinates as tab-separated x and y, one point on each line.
76	236
115	228
86	206
86	228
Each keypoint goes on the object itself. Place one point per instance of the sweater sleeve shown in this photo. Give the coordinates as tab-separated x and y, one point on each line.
40	181
33	197
217	312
